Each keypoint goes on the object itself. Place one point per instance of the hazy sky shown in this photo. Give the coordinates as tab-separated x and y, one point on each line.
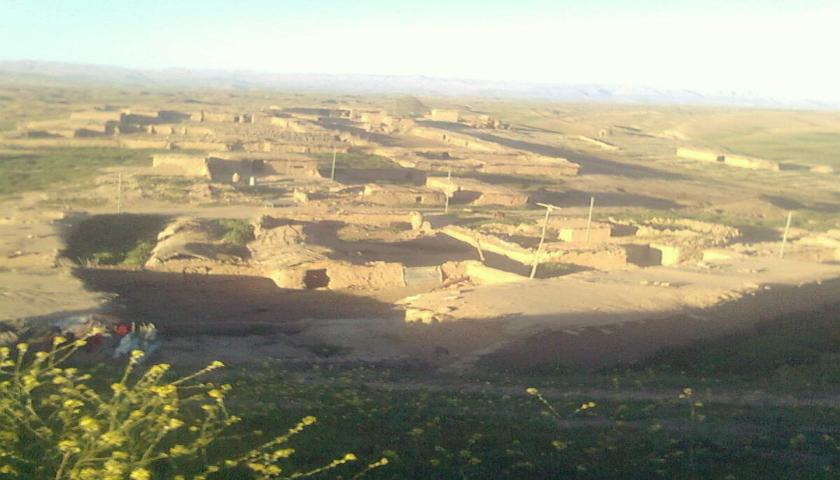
781	48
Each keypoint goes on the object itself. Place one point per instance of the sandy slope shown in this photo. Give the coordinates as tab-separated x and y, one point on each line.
34	281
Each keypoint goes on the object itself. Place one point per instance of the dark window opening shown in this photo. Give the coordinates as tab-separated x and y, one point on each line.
316	279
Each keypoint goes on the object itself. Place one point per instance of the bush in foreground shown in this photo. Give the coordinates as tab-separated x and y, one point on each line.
54	425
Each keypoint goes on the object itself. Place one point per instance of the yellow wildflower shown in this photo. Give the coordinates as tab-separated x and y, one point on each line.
68	446
89	424
72	403
113	438
140	474
283	453
179	450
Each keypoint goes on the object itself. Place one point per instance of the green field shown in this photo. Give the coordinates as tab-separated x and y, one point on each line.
39	170
484	425
812	148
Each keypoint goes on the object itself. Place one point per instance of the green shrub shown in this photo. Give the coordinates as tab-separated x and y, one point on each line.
235	231
139	254
55	425
115	239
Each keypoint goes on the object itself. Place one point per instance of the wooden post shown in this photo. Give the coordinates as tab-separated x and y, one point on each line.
589	220
785	235
538	253
119	193
332	171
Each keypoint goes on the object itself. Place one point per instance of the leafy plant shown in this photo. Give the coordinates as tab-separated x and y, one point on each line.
54	425
235	231
139	254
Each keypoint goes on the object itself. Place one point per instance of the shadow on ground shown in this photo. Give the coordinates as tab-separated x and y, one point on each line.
194	304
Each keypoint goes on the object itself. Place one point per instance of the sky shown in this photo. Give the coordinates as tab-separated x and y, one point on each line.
784	49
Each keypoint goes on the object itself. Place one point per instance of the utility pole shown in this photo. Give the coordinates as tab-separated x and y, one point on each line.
478	247
785	235
589	220
538	253
119	193
446	194
332	171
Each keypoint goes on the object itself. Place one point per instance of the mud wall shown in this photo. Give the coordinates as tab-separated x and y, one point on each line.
445	115
142	144
98	116
751	163
402	196
186	165
597	234
695	154
198	145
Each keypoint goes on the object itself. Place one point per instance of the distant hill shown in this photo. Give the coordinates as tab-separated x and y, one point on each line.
57	73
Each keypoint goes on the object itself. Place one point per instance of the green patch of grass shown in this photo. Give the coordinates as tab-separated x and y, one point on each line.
169	188
23	172
801	348
358	167
139	254
450	433
524	183
551	270
816	147
114	239
235	231
351	160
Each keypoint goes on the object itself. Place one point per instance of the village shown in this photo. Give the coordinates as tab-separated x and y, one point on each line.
443	217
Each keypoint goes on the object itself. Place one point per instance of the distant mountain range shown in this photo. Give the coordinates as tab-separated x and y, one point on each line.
57	73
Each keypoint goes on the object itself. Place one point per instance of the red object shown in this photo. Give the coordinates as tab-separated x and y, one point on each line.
122	330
